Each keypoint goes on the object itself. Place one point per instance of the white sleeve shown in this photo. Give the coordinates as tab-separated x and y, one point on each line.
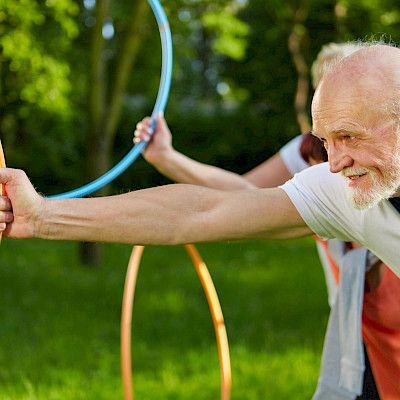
321	199
291	156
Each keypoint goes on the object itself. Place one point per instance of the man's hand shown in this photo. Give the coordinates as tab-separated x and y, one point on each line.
160	144
20	210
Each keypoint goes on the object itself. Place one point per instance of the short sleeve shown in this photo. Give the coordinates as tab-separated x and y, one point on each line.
291	156
320	198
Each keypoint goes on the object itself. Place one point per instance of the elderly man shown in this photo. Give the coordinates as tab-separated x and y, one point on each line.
355	112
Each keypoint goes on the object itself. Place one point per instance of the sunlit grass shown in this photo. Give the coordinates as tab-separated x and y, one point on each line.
59	330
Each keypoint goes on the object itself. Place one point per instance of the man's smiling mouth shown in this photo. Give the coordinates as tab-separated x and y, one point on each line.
353	177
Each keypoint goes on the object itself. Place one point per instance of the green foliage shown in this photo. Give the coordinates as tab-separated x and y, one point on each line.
231	33
239	46
62	11
38	78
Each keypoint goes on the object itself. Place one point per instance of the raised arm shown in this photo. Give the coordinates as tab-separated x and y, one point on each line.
182	169
165	215
271	173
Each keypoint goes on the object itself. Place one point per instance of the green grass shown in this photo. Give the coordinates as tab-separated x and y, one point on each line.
59	330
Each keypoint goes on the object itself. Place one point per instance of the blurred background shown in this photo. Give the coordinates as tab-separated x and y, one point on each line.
75	78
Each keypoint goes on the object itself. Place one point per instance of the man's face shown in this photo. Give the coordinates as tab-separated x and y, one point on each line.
361	136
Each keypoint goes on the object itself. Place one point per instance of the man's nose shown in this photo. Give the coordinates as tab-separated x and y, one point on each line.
338	159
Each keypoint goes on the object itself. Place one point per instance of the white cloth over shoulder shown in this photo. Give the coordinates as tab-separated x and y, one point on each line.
343	364
321	199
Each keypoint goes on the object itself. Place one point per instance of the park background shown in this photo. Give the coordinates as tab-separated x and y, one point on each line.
75	77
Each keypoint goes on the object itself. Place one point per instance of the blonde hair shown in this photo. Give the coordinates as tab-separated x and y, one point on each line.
329	55
333	55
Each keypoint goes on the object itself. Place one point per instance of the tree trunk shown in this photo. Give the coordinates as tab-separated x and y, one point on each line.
295	45
126	59
90	253
104	115
340	12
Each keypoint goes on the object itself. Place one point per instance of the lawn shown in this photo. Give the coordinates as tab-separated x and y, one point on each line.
59	329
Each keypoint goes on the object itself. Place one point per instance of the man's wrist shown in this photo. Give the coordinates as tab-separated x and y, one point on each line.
40	227
165	159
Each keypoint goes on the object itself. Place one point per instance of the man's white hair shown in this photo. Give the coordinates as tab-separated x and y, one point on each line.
329	55
333	54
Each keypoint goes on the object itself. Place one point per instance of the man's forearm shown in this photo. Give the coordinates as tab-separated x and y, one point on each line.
140	217
183	169
173	214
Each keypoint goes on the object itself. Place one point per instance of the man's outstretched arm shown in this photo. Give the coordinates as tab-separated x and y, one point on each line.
165	215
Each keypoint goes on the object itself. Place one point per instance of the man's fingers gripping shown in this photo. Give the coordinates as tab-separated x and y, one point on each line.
8	175
5	204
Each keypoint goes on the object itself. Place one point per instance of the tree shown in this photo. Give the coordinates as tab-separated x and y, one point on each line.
105	96
35	84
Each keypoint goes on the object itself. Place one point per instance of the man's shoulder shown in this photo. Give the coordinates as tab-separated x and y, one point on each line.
319	176
321	169
321	199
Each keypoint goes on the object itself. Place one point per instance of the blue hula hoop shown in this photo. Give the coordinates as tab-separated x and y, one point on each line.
161	101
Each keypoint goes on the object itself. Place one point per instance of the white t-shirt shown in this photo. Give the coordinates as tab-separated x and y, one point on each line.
321	199
290	154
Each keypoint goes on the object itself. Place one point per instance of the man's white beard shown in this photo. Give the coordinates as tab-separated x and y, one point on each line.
382	187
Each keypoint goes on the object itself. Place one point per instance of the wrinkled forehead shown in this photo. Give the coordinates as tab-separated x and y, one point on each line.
351	99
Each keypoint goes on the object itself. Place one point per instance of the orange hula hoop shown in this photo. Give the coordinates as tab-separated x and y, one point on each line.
215	310
2	165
